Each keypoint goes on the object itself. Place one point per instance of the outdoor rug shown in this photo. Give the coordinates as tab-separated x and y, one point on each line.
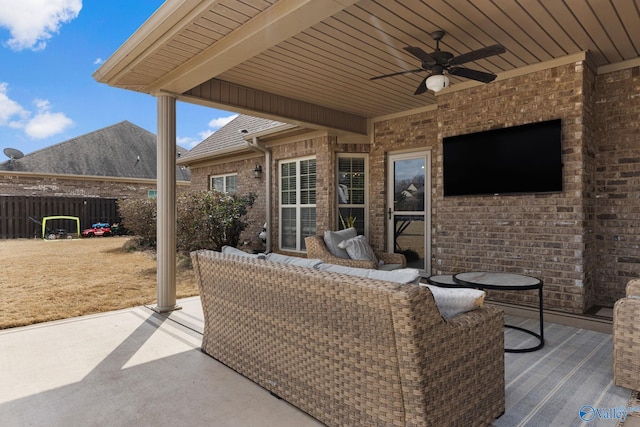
569	382
633	412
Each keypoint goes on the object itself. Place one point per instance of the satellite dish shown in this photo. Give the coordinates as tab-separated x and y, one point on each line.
13	154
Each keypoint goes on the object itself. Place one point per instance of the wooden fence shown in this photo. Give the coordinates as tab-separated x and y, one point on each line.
15	212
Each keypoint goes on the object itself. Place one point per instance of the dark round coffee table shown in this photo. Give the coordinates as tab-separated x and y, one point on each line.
502	282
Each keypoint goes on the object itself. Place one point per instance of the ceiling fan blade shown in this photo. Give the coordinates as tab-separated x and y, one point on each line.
480	76
422	88
417	70
485	52
421	55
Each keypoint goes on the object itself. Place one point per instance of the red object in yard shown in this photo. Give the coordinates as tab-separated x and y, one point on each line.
99	229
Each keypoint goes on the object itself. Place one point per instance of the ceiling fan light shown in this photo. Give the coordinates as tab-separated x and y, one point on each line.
437	82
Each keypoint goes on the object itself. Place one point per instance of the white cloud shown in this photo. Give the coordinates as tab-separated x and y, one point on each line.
98	61
45	123
187	142
33	22
217	123
205	134
8	107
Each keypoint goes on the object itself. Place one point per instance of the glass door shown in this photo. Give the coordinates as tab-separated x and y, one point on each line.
409	207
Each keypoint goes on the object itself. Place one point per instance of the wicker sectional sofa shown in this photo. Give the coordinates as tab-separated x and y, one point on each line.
626	338
349	350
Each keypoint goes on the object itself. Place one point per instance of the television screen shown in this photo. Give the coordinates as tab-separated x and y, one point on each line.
519	159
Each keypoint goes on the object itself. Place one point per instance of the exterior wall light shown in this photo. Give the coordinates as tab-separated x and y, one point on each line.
257	172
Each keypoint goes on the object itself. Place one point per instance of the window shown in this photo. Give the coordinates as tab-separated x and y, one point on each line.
351	190
297	203
152	194
225	183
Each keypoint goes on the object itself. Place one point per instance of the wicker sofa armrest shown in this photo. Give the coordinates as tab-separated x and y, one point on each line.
392	258
480	333
316	249
633	288
626	338
355	263
463	356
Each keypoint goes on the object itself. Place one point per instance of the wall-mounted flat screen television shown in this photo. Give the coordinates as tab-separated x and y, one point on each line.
513	160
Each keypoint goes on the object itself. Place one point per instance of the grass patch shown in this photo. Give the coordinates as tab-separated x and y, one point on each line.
52	280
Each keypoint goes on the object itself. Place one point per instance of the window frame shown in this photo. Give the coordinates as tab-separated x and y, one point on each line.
364	205
225	176
298	206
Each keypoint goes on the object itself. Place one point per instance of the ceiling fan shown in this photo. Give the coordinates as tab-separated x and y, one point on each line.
436	63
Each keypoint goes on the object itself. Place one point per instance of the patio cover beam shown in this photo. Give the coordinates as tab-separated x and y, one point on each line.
254	102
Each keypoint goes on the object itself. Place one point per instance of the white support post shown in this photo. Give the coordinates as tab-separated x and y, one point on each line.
166	233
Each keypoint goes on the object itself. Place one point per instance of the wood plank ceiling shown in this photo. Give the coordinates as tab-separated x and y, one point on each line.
330	63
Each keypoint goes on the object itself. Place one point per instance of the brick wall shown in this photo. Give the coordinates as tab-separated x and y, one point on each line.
582	242
618	182
541	235
13	183
415	132
589	142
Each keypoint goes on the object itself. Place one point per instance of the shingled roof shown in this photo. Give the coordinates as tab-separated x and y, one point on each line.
231	136
122	150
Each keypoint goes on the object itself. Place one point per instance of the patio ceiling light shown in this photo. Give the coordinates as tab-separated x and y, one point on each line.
437	82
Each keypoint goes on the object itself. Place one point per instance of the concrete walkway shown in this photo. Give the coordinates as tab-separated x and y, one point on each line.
128	368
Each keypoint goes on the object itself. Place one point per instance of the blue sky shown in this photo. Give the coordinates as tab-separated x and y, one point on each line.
49	50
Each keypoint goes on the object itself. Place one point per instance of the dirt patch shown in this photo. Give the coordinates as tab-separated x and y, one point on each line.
50	280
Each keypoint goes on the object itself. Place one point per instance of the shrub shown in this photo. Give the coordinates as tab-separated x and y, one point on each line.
205	220
211	219
140	218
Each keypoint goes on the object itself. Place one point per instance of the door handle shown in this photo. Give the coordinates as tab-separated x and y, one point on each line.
390	212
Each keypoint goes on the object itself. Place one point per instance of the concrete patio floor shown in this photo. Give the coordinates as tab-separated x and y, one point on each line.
125	368
135	367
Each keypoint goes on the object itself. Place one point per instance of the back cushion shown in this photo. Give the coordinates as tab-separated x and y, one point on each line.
358	248
235	251
404	276
292	260
333	238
